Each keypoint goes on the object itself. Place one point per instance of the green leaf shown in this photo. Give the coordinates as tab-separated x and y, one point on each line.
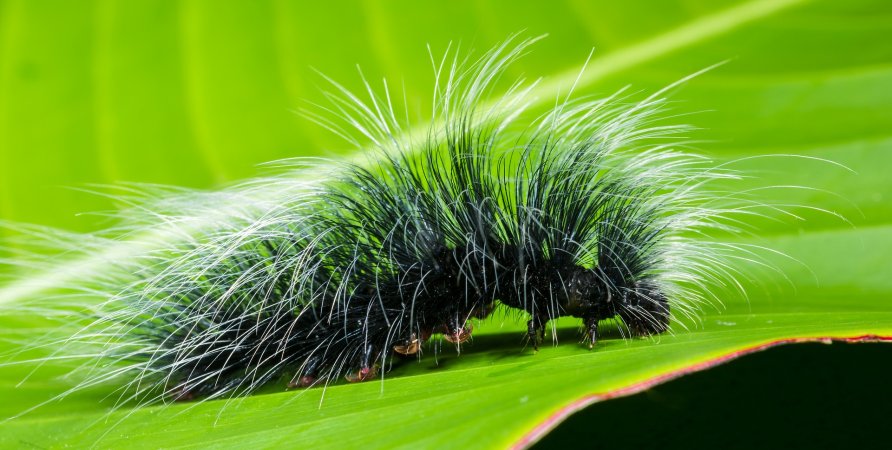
198	93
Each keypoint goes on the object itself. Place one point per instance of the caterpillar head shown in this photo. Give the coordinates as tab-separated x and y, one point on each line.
593	296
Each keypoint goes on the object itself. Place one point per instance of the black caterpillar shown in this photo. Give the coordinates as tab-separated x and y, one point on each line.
586	212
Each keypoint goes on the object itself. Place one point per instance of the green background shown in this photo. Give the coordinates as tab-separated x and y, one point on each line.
198	94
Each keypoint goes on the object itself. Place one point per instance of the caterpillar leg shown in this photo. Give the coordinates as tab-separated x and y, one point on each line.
308	375
459	331
591	331
412	345
363	374
409	348
459	335
303	381
534	332
182	395
367	371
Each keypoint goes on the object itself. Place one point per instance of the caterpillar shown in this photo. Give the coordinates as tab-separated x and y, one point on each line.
590	210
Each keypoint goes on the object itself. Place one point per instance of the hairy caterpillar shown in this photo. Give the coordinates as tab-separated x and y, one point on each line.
588	211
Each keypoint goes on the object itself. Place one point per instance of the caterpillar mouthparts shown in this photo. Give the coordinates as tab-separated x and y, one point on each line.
587	211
